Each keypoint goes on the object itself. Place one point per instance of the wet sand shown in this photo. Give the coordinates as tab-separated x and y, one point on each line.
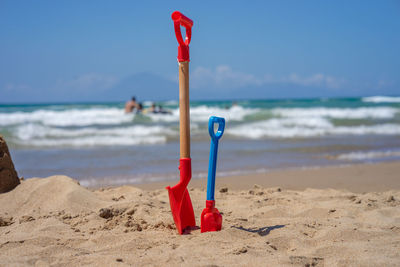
356	178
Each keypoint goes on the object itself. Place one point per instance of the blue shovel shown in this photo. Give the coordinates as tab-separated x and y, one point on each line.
211	219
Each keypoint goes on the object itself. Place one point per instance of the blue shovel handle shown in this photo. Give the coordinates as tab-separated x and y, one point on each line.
212	165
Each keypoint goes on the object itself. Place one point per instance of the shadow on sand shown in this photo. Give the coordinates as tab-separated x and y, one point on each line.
262	231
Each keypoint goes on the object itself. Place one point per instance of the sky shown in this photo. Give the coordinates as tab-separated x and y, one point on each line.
80	51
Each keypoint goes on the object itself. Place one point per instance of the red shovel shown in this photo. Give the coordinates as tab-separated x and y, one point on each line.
179	199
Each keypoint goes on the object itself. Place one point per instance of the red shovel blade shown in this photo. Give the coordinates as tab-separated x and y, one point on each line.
211	219
179	199
182	210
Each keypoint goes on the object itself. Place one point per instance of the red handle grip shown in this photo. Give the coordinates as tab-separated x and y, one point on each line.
181	20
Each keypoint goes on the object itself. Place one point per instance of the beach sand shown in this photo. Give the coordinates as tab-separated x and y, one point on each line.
333	216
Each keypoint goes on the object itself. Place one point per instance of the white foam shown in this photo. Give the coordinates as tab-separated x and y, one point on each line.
71	117
103	126
90	141
203	113
158	117
285	128
235	113
364	155
382	129
115	116
38	135
292	128
111	126
381	99
29	131
338	113
311	122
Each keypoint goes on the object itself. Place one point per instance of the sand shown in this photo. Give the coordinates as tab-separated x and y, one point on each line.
56	222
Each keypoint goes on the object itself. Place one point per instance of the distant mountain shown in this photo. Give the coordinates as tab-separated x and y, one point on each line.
153	87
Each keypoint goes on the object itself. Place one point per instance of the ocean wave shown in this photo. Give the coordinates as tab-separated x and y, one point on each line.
31	131
294	128
338	113
203	113
71	117
39	135
365	155
95	141
235	113
115	116
109	125
381	99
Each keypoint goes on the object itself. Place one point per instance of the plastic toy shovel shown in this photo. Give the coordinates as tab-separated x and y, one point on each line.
211	219
179	199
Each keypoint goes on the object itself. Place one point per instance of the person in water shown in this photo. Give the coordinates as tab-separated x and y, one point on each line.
161	110
139	108
131	105
152	109
157	109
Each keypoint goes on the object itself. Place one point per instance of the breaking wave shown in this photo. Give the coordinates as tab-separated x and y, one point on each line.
381	99
108	125
369	155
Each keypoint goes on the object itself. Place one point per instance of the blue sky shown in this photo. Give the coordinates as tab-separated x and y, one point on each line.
56	51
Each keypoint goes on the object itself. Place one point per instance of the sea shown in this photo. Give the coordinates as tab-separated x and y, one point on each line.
99	145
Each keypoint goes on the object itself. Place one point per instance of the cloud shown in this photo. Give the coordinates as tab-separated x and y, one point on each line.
224	76
9	87
90	81
385	83
317	80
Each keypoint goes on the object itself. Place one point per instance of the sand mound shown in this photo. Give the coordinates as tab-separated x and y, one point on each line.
55	221
8	175
42	196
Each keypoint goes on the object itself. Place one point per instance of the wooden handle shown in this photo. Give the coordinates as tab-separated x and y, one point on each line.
184	115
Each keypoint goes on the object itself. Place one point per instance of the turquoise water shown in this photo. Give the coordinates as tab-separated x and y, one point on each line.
98	143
